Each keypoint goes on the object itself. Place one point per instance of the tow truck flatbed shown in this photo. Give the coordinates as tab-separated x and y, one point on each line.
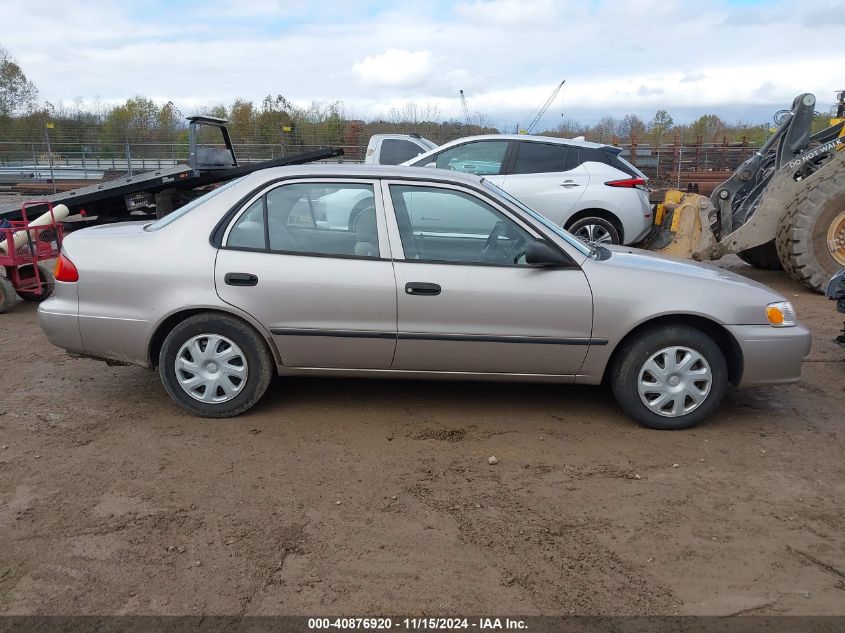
155	193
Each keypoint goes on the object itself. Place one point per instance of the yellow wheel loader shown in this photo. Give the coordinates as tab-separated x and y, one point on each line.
783	208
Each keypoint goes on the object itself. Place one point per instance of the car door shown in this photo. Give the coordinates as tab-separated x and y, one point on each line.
547	177
467	302
326	292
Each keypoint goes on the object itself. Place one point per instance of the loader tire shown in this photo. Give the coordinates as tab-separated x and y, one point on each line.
811	236
764	257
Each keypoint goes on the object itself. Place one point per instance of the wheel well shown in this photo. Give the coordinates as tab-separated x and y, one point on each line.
598	213
173	320
726	342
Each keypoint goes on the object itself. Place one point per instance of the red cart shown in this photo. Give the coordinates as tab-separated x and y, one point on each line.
23	248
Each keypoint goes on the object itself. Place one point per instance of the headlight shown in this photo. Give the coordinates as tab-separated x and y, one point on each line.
780	314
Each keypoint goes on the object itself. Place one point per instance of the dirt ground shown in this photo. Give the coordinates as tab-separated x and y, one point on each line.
362	497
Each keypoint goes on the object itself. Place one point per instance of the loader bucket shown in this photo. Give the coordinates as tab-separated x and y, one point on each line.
681	226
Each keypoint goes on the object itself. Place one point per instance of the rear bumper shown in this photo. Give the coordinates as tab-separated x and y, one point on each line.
771	356
60	327
638	223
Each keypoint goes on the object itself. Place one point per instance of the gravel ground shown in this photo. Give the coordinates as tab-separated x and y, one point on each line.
359	497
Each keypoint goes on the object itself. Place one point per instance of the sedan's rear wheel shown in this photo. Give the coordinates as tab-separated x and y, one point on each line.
595	230
215	365
669	378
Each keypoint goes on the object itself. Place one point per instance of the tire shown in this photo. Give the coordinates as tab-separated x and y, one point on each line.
47	283
7	295
802	238
586	229
764	257
254	356
629	366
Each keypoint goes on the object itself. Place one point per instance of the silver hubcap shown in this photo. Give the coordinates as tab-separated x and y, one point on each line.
211	368
674	381
592	233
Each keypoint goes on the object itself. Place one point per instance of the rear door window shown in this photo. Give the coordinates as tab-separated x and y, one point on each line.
539	158
313	218
395	151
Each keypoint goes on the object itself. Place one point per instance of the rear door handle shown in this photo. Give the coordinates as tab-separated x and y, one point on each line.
570	183
240	279
422	288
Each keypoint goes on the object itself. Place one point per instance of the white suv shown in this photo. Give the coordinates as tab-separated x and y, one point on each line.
586	188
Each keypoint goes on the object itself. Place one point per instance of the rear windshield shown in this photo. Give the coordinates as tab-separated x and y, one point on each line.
187	208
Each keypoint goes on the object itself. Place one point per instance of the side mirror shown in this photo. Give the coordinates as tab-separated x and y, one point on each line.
431	164
541	254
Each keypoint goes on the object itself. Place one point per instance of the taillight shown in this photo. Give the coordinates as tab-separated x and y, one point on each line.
65	270
627	182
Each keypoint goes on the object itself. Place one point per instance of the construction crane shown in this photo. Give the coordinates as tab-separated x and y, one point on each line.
545	107
465	108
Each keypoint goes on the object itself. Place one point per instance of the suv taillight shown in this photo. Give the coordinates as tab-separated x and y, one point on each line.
65	270
631	183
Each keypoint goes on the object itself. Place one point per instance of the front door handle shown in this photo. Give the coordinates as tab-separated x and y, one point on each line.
422	288
240	279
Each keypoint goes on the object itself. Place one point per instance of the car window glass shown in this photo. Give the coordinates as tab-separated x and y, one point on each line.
592	154
438	224
538	158
480	157
566	235
395	151
248	231
318	219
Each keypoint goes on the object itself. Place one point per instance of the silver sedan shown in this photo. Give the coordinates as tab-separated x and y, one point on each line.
407	273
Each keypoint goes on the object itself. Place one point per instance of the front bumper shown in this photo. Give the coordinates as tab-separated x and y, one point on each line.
771	356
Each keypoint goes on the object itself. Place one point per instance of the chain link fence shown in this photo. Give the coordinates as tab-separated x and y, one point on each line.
666	164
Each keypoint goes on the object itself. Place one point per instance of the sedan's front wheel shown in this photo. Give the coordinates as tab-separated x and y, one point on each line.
669	378
214	365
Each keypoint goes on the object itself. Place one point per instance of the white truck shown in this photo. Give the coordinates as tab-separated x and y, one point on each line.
395	149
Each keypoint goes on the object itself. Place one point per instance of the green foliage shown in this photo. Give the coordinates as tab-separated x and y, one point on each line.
660	125
17	93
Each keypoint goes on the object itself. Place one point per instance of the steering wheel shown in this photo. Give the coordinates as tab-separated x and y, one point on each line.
491	241
518	251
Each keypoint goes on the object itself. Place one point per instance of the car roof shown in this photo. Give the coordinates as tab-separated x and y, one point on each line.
345	170
510	137
525	137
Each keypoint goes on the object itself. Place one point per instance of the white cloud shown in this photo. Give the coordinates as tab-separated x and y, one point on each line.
508	12
507	56
395	67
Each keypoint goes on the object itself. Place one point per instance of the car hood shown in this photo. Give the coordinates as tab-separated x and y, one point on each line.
635	258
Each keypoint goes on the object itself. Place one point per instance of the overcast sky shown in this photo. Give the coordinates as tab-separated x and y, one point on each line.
741	59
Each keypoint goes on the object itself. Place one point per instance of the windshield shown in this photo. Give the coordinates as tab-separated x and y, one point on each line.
193	204
570	239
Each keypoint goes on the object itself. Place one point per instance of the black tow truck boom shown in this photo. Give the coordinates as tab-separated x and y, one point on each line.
156	193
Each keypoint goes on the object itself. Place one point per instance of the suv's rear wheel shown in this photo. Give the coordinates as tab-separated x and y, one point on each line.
215	365
595	230
669	378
